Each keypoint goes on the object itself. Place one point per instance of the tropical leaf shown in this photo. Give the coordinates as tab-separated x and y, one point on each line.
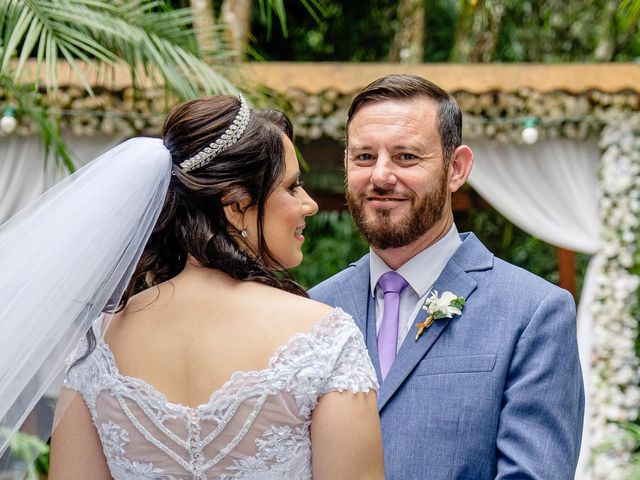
99	33
94	36
316	8
629	10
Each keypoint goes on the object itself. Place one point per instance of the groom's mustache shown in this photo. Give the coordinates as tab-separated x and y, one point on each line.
382	192
385	192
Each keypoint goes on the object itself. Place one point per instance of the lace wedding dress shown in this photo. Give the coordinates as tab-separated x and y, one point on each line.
256	426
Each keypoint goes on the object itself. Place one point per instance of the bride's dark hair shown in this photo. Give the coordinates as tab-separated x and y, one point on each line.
192	220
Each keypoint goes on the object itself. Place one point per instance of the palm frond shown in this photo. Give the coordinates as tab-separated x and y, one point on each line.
100	32
316	8
157	42
154	40
629	10
51	23
29	103
267	8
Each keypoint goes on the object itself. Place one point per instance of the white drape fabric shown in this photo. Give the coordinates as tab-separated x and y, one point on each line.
24	173
550	190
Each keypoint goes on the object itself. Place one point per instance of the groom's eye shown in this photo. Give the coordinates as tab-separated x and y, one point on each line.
363	157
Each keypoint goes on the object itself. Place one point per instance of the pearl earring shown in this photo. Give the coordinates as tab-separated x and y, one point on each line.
244	234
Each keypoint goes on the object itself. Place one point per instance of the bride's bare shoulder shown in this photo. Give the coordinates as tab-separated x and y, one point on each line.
300	312
280	313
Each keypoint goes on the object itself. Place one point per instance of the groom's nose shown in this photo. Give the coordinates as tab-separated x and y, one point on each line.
383	172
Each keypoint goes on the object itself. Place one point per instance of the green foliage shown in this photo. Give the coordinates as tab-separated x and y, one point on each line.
317	9
141	33
441	16
31	452
29	102
629	12
332	241
458	302
350	31
521	30
147	35
560	31
632	437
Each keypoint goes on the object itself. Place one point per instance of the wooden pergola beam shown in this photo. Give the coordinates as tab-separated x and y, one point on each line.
348	78
476	78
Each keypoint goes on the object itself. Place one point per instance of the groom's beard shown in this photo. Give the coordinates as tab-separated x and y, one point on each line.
425	212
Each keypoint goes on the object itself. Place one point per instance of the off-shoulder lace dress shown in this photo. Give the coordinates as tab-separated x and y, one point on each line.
256	426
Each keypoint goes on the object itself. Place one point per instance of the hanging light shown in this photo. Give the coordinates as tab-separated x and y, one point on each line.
530	133
8	122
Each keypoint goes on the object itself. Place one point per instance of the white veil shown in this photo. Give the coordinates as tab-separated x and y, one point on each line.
67	258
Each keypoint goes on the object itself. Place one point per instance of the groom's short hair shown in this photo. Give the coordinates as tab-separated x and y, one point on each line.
404	86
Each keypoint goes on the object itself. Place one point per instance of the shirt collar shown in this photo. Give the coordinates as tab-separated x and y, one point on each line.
422	270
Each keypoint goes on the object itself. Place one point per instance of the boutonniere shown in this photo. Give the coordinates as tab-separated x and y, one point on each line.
445	306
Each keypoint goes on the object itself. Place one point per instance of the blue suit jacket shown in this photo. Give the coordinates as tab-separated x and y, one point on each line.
493	393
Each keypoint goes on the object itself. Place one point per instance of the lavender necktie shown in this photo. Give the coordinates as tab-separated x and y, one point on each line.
391	284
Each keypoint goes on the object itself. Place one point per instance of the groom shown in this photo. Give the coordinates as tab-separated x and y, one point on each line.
494	391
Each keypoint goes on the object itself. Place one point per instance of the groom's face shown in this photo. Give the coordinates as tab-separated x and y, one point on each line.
397	185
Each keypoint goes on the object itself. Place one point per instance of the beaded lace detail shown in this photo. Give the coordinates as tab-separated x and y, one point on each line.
256	426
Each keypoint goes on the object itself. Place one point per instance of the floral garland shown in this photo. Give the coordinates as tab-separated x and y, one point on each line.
615	396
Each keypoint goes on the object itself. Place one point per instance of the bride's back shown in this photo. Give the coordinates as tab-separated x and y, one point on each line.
205	376
187	336
185	386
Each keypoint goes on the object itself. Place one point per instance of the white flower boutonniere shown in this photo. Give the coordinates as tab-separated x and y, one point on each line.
446	306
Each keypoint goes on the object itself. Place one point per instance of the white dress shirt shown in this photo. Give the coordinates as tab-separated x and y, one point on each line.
420	272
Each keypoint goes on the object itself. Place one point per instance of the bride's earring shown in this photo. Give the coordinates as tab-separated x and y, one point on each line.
243	233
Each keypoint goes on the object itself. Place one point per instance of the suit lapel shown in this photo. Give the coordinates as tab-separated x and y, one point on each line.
453	278
353	293
356	299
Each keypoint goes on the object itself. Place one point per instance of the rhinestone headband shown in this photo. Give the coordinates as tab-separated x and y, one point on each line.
228	138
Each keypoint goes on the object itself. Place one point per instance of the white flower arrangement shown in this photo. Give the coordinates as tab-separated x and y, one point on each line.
615	397
445	306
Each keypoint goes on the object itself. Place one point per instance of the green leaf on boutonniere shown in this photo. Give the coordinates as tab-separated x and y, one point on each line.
445	306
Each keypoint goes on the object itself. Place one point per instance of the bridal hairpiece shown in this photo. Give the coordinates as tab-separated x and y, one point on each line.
228	138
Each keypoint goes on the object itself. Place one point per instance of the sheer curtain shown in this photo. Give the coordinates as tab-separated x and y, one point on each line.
24	174
550	190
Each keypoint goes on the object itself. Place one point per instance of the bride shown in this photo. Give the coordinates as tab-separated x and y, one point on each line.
214	365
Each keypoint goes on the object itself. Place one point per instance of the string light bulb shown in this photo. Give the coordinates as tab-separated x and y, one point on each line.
530	133
8	122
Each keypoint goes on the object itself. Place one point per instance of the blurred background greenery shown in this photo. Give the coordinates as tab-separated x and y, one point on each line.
455	30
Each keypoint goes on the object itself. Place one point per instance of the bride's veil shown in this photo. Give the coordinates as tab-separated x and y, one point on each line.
66	259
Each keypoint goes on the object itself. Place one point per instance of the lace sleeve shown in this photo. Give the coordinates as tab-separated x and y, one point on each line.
77	375
352	370
88	376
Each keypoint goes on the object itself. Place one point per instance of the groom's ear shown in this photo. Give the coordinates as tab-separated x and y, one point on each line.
460	167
